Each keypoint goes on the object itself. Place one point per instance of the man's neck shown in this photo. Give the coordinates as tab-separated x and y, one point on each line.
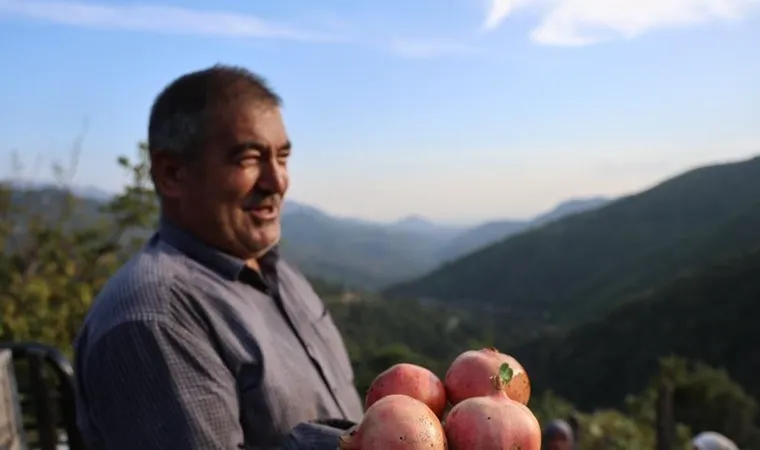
251	262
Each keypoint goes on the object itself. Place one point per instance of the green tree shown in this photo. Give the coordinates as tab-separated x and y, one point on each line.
57	254
609	429
707	399
613	430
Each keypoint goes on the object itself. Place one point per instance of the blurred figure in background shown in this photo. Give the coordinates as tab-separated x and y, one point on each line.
558	435
710	440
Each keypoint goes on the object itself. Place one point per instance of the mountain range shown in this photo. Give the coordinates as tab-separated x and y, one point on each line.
349	251
372	255
491	232
577	268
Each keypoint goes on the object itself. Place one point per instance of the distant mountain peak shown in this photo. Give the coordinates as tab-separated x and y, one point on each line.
84	191
570	207
414	220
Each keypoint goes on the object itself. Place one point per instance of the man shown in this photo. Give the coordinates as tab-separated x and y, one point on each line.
206	339
558	435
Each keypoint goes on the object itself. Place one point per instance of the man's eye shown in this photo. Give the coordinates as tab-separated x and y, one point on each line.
249	160
248	156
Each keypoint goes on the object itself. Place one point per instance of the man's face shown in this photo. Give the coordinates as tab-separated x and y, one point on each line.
233	194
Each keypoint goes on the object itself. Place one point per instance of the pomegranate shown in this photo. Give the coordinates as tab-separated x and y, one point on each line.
469	375
412	380
396	422
493	422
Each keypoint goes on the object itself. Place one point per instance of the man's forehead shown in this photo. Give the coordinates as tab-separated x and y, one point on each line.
252	122
252	113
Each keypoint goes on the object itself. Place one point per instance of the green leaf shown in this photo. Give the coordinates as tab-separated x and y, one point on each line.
505	373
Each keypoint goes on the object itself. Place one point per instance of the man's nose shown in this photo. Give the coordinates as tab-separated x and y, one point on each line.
273	176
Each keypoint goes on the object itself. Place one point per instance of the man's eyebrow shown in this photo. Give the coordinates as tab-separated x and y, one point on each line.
259	146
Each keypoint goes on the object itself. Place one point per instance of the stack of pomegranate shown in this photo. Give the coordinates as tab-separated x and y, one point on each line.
488	391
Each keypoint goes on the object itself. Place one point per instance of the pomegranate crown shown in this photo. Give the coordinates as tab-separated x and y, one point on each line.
501	380
505	373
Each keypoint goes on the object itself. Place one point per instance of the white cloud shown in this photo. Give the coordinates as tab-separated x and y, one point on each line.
156	18
584	22
497	11
430	48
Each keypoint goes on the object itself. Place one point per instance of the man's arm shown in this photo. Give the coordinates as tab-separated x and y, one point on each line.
154	386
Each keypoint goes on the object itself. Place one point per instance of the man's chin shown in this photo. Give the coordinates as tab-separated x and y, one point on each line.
267	248
266	239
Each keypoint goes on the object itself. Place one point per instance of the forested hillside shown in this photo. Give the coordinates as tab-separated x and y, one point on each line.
710	315
379	333
356	253
489	233
582	266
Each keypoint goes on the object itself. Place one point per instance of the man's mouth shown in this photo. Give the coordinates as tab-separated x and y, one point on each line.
264	212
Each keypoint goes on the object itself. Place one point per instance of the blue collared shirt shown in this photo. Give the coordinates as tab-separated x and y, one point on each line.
187	348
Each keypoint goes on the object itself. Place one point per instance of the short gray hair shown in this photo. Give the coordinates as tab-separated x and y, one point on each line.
181	113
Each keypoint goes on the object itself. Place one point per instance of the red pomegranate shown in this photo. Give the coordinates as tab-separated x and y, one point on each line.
470	374
493	422
397	422
411	380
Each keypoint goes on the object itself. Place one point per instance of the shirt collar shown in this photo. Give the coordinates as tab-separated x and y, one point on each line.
225	264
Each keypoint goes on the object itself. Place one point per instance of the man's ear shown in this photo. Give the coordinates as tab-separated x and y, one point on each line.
169	173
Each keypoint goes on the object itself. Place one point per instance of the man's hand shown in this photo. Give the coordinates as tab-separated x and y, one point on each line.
322	434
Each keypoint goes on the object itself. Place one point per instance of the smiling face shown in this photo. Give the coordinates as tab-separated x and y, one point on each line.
231	195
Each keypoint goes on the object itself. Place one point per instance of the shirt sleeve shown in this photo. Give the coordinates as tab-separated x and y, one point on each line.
156	386
152	385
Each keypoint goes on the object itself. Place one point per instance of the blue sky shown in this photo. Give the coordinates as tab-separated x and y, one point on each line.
473	110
